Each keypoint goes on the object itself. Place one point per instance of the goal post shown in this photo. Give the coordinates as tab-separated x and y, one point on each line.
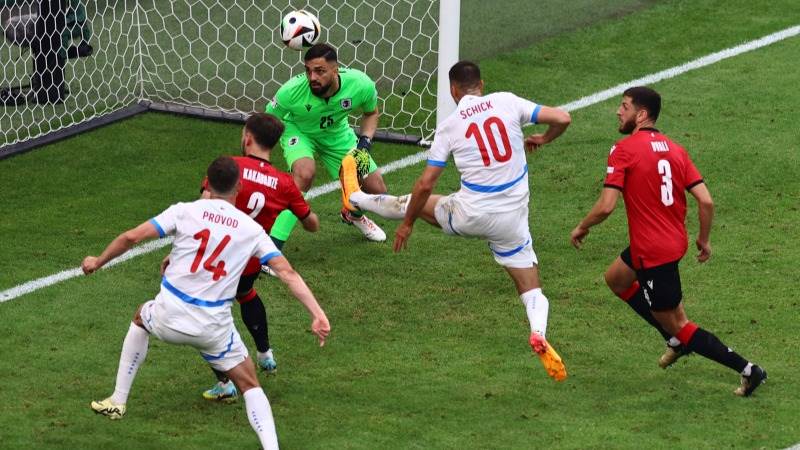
221	60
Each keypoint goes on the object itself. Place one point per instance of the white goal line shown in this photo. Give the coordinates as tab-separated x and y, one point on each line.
34	285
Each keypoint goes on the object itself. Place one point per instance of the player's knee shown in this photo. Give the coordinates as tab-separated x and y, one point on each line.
137	317
374	184
617	285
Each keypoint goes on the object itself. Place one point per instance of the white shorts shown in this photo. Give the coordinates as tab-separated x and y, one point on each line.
222	348
507	233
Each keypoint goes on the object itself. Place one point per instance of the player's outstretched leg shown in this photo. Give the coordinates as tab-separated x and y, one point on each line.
384	205
134	351
537	308
707	344
259	412
348	178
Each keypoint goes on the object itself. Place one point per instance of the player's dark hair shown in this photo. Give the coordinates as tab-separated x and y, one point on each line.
465	74
265	128
644	97
223	174
321	51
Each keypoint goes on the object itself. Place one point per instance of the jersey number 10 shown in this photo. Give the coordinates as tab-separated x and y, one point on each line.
474	131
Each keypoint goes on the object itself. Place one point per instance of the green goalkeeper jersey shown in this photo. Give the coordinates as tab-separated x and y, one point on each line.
324	120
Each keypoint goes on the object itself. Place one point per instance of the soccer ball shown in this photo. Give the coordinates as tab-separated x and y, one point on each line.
299	29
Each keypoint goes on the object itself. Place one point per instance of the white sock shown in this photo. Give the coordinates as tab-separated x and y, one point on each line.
260	415
673	342
386	206
536	306
134	350
748	369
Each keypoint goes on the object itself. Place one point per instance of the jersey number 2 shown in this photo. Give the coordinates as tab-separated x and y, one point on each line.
219	269
474	131
666	182
256	203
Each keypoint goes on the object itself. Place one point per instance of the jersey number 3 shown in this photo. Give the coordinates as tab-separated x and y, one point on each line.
666	182
219	269
492	122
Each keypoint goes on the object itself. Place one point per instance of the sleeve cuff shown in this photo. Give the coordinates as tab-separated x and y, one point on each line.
612	186
160	230
268	256
433	162
691	185
535	114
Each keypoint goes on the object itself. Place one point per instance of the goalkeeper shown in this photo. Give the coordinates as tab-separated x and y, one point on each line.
314	107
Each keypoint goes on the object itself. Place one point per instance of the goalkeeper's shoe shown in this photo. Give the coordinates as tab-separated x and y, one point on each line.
550	359
368	228
222	392
267	363
109	409
757	377
671	354
348	178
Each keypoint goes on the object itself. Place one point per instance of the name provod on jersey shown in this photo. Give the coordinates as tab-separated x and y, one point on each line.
220	219
258	177
475	109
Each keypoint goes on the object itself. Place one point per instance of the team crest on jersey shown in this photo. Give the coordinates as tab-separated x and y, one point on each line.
308	107
346	103
293	140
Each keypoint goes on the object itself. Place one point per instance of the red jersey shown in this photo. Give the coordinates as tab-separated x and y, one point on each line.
653	174
265	192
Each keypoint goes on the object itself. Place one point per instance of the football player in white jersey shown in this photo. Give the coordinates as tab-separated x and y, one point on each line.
484	135
213	242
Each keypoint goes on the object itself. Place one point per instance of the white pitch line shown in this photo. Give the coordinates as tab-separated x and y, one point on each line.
30	286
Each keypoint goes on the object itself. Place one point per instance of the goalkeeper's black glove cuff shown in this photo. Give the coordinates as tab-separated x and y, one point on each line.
364	143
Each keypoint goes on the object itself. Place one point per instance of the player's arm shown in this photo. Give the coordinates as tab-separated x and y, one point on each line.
419	197
371	115
557	121
120	245
369	123
600	211
705	213
319	324
311	222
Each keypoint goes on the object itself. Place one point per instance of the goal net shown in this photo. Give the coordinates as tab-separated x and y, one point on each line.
68	62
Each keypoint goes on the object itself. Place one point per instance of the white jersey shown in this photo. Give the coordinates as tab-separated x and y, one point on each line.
213	242
484	134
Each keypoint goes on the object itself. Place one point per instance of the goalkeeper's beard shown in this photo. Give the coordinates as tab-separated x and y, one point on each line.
319	90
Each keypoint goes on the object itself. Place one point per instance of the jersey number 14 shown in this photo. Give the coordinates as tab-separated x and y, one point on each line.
491	125
218	270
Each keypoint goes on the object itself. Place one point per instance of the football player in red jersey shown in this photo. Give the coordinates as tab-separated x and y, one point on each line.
265	192
653	173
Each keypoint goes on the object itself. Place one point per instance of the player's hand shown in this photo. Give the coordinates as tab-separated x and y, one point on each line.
578	235
401	235
164	264
89	265
534	141
705	250
322	328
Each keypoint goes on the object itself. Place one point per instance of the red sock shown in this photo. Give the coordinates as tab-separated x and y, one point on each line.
630	292
247	297
686	333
